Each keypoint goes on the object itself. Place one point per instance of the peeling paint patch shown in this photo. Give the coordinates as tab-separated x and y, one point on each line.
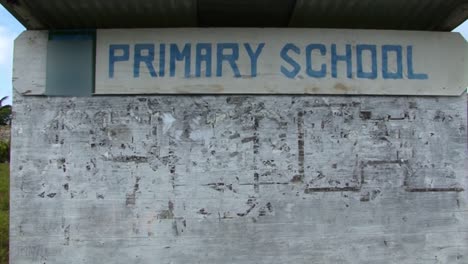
167	120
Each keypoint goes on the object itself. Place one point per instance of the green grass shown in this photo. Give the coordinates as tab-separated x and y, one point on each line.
4	210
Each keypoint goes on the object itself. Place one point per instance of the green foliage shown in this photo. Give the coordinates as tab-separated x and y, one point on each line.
5	112
4	211
4	186
4	151
5	119
5	115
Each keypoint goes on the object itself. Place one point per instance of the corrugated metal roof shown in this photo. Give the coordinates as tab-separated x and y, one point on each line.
374	14
245	13
377	14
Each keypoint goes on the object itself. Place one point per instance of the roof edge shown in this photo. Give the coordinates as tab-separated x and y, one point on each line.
456	18
22	13
27	16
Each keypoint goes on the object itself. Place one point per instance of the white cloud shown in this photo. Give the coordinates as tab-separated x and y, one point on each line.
6	61
6	47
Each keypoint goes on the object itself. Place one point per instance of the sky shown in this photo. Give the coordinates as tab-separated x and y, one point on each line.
10	28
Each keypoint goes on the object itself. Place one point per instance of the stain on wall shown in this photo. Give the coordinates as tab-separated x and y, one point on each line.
239	179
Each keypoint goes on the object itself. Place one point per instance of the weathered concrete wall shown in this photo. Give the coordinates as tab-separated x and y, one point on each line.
229	179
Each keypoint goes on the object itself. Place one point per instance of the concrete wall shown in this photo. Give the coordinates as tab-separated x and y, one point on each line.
233	179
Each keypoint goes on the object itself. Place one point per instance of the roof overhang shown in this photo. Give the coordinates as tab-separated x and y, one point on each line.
433	15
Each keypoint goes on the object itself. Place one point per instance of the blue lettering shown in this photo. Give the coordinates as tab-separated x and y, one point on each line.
311	72
254	57
162	59
203	54
139	58
411	74
360	68
284	55
113	58
232	58
399	56
335	58
177	55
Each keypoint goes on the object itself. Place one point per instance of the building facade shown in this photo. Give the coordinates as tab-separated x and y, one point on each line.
239	145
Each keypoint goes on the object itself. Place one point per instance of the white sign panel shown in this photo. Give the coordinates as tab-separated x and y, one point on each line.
280	61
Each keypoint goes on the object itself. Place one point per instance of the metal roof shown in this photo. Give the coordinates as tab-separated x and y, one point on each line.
437	15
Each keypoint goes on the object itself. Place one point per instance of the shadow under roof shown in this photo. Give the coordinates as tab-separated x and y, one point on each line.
433	15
